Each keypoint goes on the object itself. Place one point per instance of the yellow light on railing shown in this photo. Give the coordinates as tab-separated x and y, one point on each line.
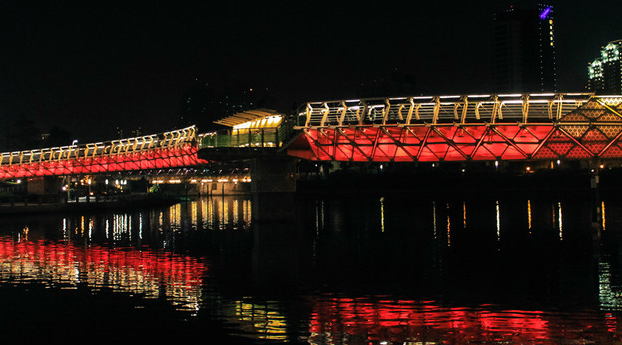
265	122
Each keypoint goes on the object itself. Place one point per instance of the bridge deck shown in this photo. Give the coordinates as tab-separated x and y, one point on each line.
454	128
166	150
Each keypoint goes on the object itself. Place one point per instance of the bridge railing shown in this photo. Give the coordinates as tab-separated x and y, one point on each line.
513	108
172	139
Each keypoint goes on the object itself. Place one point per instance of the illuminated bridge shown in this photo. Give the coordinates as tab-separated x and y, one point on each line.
158	151
577	126
462	128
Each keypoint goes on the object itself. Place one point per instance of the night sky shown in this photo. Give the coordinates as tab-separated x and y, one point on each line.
89	66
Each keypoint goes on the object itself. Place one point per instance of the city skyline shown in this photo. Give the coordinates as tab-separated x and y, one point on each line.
604	72
90	68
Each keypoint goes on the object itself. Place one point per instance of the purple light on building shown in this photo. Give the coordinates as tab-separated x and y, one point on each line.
545	13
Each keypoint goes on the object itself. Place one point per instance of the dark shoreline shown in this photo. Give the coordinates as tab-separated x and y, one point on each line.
444	184
133	201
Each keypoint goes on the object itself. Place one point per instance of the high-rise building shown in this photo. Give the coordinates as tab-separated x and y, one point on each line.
524	50
605	72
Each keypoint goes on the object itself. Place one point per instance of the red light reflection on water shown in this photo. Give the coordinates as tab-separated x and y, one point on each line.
152	273
366	321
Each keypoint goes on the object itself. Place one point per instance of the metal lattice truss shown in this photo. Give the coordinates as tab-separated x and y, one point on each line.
157	151
455	128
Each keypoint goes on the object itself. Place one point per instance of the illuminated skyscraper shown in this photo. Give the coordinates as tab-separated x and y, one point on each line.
605	72
524	50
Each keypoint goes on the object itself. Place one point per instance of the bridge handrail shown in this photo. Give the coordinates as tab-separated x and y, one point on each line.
462	109
171	139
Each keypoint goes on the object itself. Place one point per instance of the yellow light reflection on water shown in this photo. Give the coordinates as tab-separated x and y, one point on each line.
246	205
464	217
602	211
175	216
317	218
236	216
529	215
210	213
448	228
225	214
266	319
382	214
553	212
194	212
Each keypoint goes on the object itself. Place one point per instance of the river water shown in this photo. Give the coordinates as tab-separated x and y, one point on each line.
371	269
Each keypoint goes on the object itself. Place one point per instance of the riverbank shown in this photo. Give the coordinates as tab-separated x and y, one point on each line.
109	204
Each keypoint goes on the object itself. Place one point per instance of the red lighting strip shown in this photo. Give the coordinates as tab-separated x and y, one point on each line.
460	143
154	159
593	130
420	143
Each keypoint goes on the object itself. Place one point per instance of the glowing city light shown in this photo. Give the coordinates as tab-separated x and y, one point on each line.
545	13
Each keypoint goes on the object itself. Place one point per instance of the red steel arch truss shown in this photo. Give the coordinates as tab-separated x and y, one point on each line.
460	128
157	151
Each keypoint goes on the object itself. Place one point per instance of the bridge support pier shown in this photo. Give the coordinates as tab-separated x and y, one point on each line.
273	185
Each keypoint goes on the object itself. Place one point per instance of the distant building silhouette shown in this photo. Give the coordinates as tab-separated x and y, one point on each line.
524	50
605	72
204	104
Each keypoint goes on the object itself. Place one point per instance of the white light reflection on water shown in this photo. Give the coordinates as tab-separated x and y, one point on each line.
498	219
448	228
561	222
609	294
434	218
